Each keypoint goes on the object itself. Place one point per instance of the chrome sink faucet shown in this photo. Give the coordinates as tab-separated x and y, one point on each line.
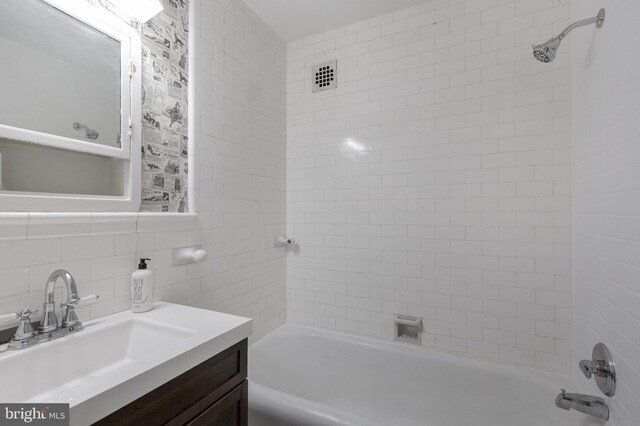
49	327
49	322
587	404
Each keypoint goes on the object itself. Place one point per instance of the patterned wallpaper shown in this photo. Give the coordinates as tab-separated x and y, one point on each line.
165	136
165	139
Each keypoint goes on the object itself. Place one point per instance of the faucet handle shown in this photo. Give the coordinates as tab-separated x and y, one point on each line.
79	301
588	368
26	313
69	317
602	368
88	299
25	330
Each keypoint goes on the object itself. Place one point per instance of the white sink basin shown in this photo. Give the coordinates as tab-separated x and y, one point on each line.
117	358
63	364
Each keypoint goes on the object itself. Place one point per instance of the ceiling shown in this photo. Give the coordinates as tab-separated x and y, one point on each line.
296	19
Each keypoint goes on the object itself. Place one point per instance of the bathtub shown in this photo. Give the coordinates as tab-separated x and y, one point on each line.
303	376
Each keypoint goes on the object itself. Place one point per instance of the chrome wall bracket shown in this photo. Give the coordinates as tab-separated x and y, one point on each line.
602	368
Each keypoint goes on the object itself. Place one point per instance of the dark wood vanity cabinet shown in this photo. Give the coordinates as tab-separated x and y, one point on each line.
212	393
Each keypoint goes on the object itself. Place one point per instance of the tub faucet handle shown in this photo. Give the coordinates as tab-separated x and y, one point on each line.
602	368
589	368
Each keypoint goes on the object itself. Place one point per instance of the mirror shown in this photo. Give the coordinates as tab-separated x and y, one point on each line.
59	76
70	122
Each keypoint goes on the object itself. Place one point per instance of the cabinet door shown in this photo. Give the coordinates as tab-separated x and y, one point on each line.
178	401
230	410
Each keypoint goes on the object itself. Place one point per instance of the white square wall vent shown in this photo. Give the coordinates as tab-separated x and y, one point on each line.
325	76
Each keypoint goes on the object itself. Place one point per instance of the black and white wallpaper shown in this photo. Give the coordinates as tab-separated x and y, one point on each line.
165	136
165	83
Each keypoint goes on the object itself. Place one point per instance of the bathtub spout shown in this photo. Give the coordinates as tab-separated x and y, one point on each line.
587	404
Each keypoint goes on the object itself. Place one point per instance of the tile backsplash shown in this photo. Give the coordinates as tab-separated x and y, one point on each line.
239	84
435	180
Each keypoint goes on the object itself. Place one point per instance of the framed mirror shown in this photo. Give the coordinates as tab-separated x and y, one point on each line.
71	92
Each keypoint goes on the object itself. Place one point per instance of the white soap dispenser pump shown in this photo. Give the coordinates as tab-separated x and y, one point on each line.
142	284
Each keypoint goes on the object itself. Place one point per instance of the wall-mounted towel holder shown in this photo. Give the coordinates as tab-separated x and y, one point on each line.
187	255
284	241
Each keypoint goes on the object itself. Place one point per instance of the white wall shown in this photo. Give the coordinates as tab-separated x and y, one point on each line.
434	181
605	100
239	83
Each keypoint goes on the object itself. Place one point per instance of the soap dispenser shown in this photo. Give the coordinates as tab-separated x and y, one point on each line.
142	284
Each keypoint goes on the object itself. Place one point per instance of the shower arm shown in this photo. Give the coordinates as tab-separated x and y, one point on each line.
598	20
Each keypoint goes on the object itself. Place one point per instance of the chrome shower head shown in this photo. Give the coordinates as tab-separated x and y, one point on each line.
546	52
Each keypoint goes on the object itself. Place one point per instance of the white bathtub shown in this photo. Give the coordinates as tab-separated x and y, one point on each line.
303	376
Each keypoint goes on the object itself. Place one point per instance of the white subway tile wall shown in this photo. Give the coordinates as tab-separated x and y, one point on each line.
606	165
435	180
240	83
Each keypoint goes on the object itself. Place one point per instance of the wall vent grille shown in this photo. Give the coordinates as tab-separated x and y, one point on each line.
325	76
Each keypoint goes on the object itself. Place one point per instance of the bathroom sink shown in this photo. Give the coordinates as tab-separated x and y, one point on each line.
62	364
117	358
